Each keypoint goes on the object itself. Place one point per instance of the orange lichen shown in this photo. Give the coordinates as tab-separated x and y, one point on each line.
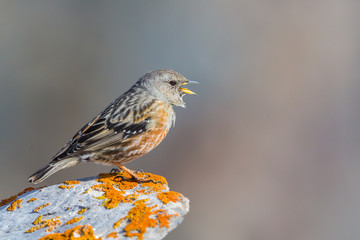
140	217
123	181
142	191
65	187
31	200
164	218
29	189
114	187
112	195
12	198
53	223
141	201
73	182
170	196
74	220
81	232
117	223
40	223
156	183
7	200
41	206
14	205
69	184
112	235
82	211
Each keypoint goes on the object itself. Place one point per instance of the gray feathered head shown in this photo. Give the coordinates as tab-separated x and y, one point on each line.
166	85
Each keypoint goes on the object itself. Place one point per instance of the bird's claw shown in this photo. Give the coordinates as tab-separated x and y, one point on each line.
114	171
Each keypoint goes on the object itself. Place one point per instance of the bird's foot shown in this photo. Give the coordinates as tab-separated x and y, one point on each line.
133	177
139	179
133	174
114	171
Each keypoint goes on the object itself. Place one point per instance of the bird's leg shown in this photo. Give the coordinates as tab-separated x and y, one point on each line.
131	173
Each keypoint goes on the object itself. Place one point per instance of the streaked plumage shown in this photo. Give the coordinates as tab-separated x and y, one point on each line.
131	126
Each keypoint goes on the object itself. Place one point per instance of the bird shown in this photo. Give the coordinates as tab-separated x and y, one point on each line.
130	127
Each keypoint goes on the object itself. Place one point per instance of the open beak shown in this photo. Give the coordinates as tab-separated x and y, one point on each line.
187	91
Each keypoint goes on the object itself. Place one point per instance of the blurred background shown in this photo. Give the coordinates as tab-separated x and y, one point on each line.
268	150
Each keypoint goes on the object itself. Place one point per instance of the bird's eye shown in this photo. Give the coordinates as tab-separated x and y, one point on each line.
172	83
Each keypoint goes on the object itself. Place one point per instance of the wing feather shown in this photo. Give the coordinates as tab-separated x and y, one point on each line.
107	129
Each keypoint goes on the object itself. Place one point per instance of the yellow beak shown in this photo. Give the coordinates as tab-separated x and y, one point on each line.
187	91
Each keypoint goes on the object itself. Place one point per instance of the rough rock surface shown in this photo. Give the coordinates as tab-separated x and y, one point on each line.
109	206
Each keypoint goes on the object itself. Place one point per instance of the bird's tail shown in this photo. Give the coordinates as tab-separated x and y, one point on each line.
52	168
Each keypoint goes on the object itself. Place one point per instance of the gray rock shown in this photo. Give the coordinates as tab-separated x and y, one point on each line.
103	206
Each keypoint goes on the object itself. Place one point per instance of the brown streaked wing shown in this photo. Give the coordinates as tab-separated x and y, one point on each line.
90	128
101	132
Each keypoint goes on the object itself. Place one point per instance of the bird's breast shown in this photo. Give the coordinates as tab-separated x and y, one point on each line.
160	120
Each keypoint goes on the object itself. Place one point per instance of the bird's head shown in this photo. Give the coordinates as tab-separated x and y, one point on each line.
167	85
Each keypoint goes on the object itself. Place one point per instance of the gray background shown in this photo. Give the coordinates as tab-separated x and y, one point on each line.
268	150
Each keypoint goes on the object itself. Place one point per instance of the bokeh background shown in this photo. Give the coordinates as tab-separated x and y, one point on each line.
268	150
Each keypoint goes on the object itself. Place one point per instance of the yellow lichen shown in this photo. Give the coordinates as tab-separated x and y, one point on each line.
170	196
38	220
31	200
112	235
82	211
74	220
15	204
37	227
40	223
41	206
81	232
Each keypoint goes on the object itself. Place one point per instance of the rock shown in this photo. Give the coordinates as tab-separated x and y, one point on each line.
109	206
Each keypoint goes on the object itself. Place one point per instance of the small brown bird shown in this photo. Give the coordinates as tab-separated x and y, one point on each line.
130	127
